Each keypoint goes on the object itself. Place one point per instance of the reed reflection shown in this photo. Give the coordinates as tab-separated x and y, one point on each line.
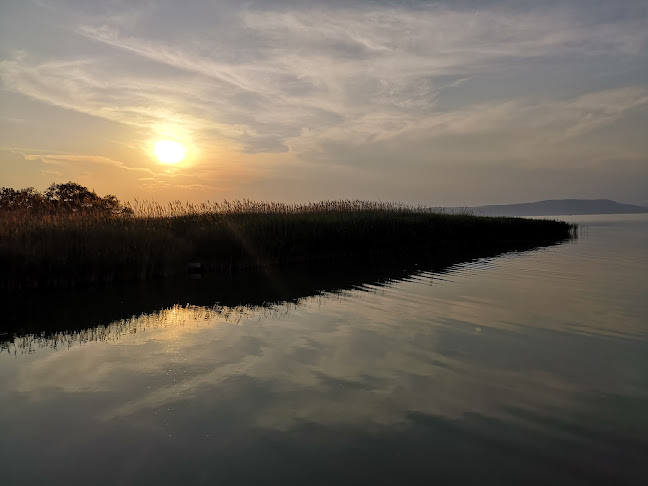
176	317
65	318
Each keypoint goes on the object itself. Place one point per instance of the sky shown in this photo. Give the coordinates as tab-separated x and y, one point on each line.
456	103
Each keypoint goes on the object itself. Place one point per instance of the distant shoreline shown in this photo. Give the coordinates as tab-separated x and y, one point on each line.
86	250
559	207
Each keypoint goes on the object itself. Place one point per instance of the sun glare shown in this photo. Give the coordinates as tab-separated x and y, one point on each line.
169	152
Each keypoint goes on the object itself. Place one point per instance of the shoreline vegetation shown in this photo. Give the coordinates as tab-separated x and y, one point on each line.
68	236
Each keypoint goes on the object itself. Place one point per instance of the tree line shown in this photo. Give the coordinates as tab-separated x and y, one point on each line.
69	198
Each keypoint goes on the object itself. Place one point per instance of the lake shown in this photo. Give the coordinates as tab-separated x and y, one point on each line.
524	368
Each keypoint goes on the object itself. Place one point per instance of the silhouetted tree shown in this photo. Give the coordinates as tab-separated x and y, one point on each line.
112	205
68	198
72	197
20	199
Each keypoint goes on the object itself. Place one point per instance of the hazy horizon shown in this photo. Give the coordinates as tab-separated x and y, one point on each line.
438	103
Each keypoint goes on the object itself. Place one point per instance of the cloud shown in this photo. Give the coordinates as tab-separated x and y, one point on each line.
275	72
595	110
62	159
375	87
87	86
509	123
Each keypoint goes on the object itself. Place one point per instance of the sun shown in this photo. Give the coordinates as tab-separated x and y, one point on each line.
169	152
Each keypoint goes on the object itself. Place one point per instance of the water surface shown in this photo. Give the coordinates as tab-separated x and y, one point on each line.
526	368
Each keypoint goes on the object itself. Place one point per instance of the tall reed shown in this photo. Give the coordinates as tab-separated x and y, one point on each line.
152	240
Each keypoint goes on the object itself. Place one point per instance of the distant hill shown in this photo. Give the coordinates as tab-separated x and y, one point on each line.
559	207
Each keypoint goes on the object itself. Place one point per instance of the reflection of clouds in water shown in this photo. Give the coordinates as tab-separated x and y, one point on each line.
482	342
331	360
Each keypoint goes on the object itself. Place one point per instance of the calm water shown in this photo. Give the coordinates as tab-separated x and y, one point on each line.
527	368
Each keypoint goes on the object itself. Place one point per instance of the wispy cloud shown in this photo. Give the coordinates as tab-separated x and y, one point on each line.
381	70
302	81
61	159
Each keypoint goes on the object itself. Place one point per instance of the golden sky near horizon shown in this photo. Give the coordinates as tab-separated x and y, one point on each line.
440	103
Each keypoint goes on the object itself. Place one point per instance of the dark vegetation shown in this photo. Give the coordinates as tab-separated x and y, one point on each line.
69	236
58	200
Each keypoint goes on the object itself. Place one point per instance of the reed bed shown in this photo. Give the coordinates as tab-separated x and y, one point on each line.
154	241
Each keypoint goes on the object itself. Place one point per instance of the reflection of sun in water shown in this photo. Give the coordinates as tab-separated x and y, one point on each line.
169	152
